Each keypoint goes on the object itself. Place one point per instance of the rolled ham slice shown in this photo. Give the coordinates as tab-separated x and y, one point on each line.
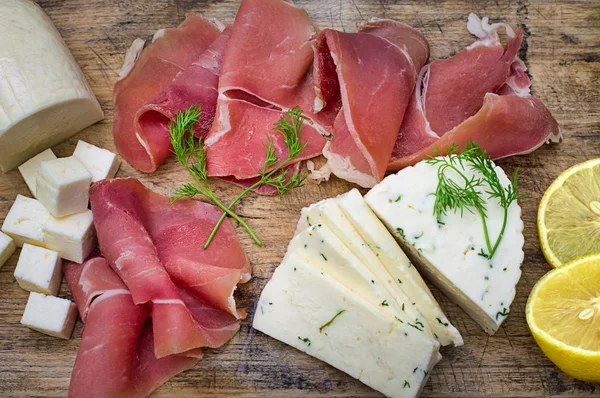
481	94
145	75
116	355
156	249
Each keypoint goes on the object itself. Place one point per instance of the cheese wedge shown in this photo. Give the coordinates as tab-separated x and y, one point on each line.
451	252
356	225
304	308
319	245
44	96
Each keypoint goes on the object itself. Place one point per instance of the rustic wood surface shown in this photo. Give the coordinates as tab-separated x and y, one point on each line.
562	51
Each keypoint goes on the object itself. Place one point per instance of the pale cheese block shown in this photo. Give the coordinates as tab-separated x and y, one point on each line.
101	163
44	96
50	315
306	309
393	259
451	252
25	220
63	186
328	213
73	237
7	248
29	169
39	270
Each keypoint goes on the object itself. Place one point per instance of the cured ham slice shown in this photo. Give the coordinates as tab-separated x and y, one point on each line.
243	137
481	94
156	249
116	356
195	85
375	70
145	75
257	86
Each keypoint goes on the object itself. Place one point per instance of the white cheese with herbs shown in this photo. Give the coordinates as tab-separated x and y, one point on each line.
392	258
452	251
44	96
304	308
7	248
328	213
39	270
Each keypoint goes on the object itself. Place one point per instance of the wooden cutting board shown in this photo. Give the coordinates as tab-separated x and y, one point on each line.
562	52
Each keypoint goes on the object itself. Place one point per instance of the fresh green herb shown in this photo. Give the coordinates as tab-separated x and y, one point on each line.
414	326
324	258
398	319
304	340
270	303
331	321
504	312
504	269
425	372
402	306
470	193
406	384
384	303
398	199
417	237
401	232
415	370
399	281
442	323
190	153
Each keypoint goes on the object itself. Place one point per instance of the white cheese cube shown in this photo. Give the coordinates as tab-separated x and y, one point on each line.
7	248
63	186
304	308
451	252
50	315
25	220
73	237
29	169
39	270
100	162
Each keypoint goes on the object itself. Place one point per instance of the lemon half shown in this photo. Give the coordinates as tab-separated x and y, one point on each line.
563	314
569	214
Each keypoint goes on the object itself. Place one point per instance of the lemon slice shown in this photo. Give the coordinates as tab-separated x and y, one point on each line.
569	214
563	314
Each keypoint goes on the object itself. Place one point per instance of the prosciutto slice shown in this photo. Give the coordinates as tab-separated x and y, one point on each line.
481	94
116	355
156	248
256	86
375	71
146	74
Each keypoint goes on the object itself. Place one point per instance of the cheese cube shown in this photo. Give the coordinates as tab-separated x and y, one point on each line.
25	220
29	168
101	163
39	270
7	248
63	186
50	315
73	237
452	251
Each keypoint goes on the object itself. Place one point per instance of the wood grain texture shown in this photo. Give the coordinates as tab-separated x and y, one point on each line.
562	51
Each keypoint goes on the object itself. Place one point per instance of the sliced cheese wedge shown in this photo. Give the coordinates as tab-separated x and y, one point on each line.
304	308
44	96
328	213
451	252
319	245
403	274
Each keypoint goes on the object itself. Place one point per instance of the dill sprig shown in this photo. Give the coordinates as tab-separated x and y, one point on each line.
470	193
191	154
274	171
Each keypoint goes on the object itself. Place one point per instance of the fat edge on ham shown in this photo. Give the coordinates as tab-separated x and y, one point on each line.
154	248
481	94
116	355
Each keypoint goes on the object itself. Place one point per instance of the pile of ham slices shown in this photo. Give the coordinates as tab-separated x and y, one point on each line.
371	103
153	297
